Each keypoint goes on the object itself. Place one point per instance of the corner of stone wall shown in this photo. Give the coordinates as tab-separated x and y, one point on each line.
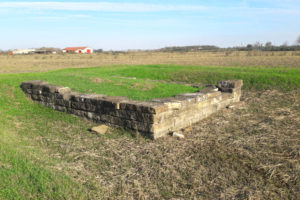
154	118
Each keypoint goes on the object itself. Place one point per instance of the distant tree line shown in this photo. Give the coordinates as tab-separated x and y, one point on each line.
190	48
257	46
268	46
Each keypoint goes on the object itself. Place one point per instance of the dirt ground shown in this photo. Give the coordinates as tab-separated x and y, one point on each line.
251	151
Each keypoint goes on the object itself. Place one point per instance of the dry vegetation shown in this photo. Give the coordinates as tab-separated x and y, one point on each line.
249	152
37	63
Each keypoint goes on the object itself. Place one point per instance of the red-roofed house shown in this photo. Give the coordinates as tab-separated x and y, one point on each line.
78	50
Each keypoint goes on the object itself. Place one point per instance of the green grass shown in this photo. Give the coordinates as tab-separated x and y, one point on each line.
112	81
23	170
258	78
24	179
87	81
27	170
254	78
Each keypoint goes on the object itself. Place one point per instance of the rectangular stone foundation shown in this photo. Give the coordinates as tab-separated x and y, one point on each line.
155	118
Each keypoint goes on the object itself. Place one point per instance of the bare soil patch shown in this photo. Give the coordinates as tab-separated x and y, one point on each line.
143	86
100	80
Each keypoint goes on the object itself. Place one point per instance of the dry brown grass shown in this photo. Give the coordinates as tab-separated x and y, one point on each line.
249	152
37	63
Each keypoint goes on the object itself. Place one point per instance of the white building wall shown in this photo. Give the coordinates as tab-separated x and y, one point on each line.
23	51
85	50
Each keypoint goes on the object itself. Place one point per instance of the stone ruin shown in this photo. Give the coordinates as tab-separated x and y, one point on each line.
155	118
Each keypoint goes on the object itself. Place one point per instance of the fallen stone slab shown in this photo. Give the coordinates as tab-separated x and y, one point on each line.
178	135
102	129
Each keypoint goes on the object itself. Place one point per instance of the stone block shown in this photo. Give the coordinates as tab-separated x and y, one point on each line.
178	135
76	112
62	90
147	107
57	96
75	97
228	85
78	105
90	107
47	94
158	108
39	87
102	129
92	98
25	86
173	105
60	108
36	91
89	115
96	118
71	96
139	126
133	115
214	94
62	102
113	120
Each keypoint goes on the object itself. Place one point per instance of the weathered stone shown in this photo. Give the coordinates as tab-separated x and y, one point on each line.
102	129
62	102
147	107
63	90
229	85
230	107
89	115
140	126
60	108
213	94
26	85
156	118
178	135
90	107
173	105
36	91
78	105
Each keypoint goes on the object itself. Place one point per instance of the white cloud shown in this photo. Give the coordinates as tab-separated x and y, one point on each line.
101	6
144	7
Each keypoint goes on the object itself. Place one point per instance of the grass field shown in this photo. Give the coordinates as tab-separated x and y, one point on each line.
249	152
41	63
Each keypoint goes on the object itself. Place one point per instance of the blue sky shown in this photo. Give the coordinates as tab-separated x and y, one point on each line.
132	24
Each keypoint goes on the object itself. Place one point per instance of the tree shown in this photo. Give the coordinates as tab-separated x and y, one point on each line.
298	40
268	44
285	44
258	45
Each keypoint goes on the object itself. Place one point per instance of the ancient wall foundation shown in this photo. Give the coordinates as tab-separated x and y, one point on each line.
155	118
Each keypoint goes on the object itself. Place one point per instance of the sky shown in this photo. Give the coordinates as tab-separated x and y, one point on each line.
146	24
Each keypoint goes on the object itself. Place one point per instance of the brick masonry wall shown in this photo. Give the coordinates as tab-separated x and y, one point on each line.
154	118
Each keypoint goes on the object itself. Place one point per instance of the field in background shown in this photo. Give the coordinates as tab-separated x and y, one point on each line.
38	63
248	152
